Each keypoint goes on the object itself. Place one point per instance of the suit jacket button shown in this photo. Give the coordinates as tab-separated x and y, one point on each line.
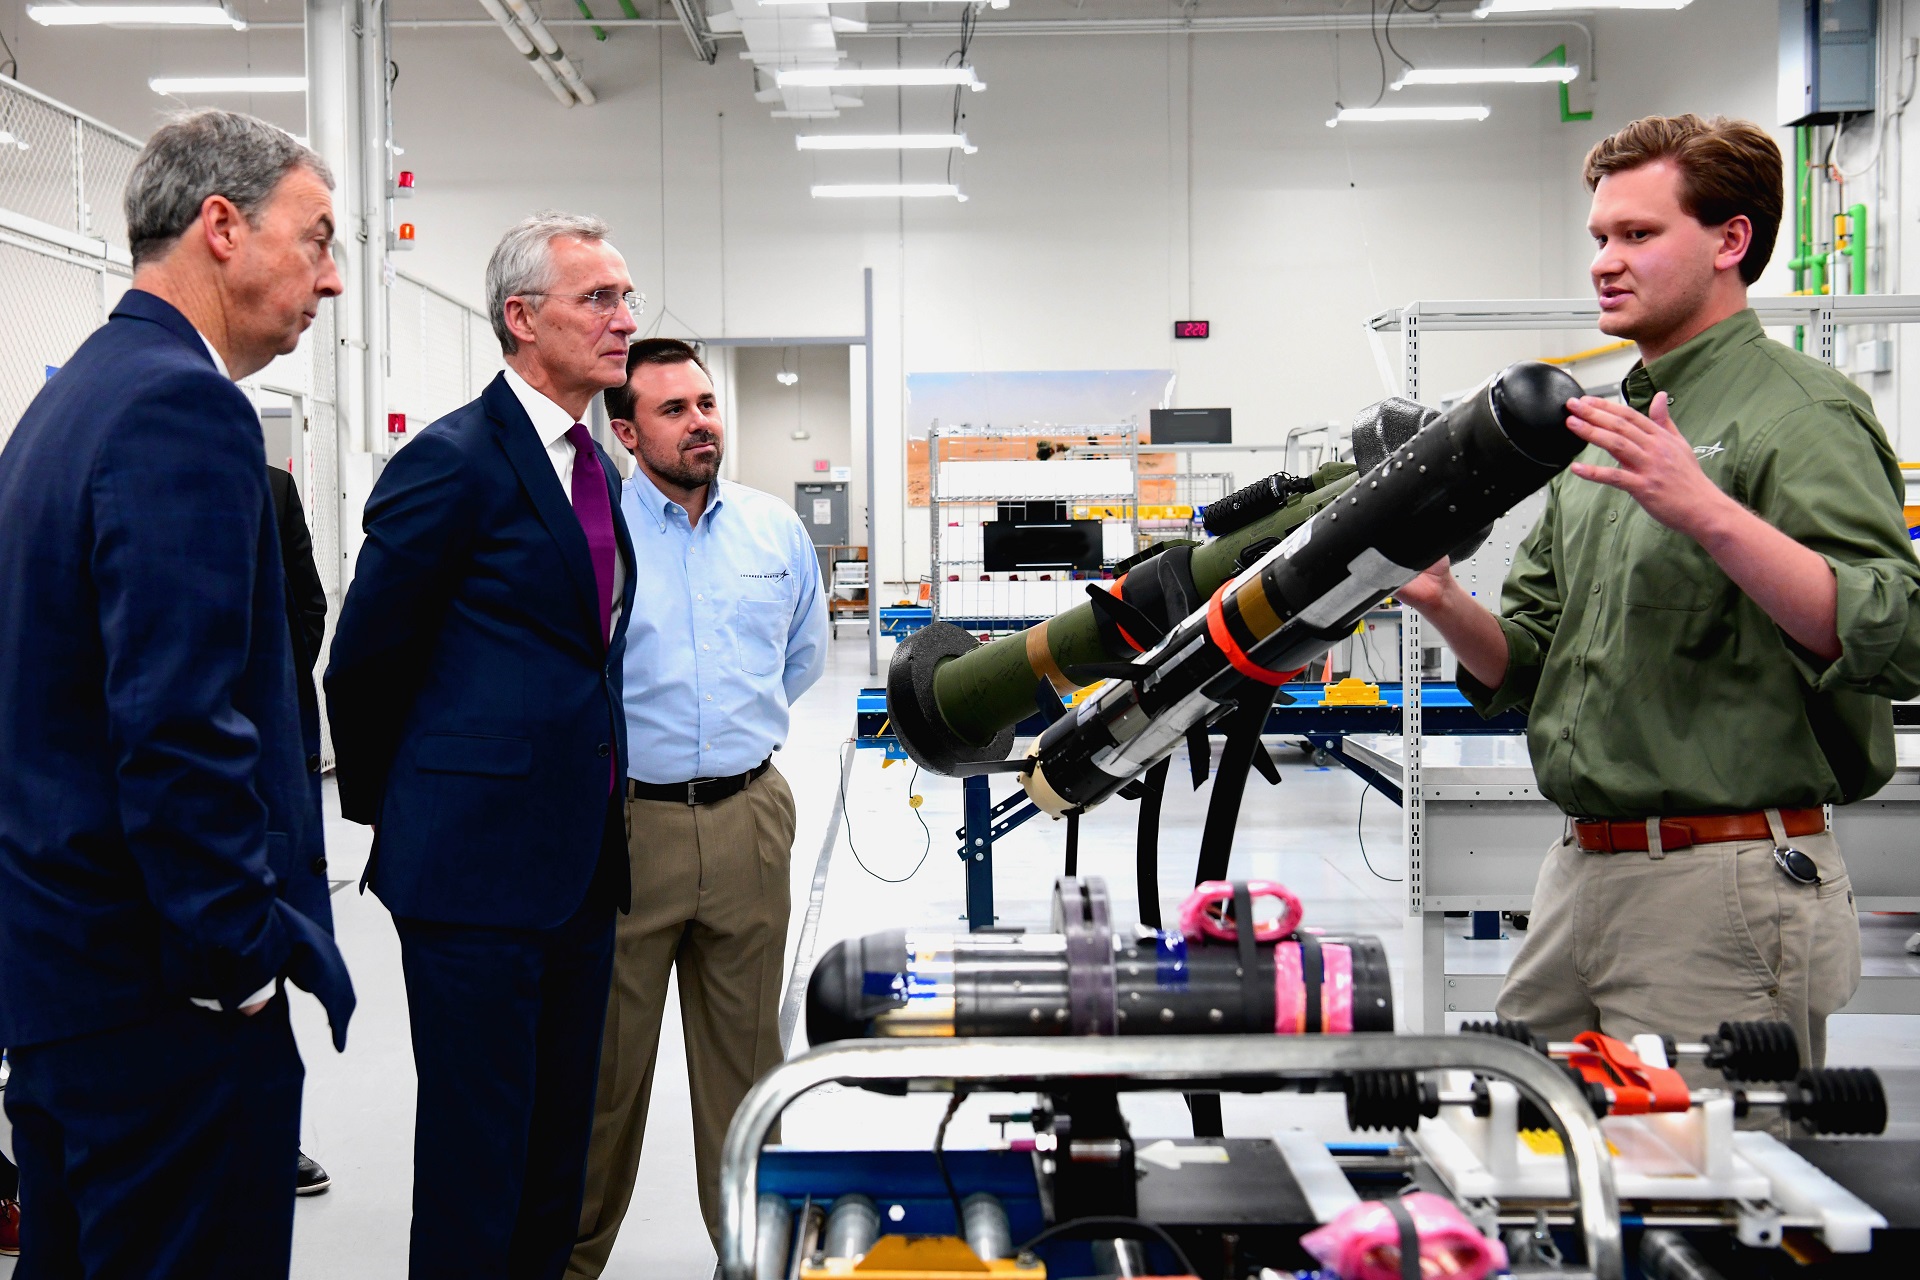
320	866
605	750
313	764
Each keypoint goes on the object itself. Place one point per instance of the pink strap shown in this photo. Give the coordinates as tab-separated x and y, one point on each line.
1202	914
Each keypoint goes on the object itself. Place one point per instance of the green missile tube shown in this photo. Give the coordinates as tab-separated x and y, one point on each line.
954	701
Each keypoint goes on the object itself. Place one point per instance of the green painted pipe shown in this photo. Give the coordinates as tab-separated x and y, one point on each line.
980	693
1857	246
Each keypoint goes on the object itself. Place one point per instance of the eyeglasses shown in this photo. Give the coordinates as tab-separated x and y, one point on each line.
602	302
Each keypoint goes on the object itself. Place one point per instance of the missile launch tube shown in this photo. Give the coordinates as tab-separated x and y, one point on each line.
1435	493
954	701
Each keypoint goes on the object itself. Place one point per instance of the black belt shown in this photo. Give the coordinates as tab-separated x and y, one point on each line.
696	790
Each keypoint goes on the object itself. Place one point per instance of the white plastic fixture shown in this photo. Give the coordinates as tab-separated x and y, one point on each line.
1487	75
786	378
8	140
1554	6
177	85
885	190
134	15
1351	115
878	78
884	142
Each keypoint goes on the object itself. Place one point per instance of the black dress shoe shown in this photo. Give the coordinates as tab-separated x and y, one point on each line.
311	1180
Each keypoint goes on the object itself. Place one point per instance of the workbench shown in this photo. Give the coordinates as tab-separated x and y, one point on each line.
1486	829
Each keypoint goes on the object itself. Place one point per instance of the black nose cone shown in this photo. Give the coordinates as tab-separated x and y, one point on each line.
1530	401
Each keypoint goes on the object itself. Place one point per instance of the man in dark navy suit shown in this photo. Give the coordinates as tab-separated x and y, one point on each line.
161	866
474	692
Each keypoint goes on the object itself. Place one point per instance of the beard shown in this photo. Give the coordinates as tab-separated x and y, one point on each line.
673	465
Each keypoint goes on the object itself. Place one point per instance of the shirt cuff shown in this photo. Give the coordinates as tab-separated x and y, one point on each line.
1522	679
259	997
1873	613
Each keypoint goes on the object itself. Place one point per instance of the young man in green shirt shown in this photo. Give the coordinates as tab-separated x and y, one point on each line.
1704	629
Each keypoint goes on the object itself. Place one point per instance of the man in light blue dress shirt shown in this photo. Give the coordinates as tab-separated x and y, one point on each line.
729	626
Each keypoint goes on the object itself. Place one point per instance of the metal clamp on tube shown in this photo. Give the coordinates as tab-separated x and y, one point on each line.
1233	1063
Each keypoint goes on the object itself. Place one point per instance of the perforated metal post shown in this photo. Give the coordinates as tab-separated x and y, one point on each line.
977	849
1823	329
1425	946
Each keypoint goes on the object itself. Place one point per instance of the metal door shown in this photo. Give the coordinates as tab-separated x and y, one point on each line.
823	509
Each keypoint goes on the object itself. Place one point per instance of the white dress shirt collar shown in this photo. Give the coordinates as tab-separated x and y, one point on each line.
218	363
550	422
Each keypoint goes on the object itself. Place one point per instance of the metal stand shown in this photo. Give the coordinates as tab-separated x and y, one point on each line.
1237	1064
985	822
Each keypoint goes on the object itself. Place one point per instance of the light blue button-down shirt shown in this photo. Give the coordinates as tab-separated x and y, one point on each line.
729	626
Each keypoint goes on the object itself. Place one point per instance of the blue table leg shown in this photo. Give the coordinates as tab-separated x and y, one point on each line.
1486	926
977	850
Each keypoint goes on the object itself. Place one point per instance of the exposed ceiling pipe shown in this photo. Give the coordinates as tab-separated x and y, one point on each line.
555	56
524	47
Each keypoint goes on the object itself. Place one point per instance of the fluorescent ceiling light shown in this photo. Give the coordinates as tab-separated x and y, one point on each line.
878	78
1488	75
886	190
1408	113
1552	6
134	15
884	142
227	84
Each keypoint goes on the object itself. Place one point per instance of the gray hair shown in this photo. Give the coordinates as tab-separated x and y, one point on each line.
207	153
522	263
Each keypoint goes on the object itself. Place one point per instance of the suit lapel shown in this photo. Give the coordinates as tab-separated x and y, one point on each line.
542	486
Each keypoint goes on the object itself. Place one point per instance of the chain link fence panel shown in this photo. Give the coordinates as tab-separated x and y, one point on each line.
53	301
441	353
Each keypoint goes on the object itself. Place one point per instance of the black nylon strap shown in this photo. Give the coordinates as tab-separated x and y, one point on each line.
1245	724
1073	842
1310	974
1249	959
1409	1238
1147	843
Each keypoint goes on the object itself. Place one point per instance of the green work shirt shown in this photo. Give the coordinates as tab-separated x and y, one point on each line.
1652	684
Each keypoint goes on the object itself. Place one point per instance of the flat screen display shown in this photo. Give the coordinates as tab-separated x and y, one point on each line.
1064	544
1191	426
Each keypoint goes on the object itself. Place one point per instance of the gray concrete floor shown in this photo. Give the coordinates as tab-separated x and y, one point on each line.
359	1105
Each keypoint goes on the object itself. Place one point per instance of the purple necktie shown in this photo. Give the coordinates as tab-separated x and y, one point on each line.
595	513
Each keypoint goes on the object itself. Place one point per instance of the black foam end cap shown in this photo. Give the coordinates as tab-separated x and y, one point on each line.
1530	403
915	713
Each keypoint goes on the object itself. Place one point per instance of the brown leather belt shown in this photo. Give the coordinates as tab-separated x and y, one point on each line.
1602	835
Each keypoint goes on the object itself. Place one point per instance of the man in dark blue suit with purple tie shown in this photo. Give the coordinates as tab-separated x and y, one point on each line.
474	693
161	864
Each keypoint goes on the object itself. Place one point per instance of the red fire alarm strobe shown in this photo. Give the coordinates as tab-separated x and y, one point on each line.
406	231
396	424
405	181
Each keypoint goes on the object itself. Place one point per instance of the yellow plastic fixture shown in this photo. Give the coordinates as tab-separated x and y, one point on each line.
1353	692
922	1258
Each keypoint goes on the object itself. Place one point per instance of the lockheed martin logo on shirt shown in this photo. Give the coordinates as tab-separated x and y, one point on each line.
773	577
1705	451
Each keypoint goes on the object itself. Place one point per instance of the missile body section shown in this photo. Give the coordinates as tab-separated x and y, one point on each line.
1434	495
1087	978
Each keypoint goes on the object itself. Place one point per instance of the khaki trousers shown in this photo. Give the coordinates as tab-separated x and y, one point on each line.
1627	943
710	899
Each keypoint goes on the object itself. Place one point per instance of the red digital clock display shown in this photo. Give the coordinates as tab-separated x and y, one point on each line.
1192	328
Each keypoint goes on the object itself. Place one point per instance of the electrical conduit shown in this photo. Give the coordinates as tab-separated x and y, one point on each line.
548	46
524	47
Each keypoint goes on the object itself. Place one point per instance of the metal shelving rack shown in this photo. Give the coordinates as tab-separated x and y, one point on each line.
974	508
1821	315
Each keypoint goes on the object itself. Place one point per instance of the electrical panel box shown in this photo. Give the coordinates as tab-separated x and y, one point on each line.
1828	57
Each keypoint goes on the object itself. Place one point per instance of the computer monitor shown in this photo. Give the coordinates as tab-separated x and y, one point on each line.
1012	547
1191	426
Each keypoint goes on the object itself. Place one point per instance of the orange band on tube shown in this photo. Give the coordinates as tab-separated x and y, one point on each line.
1236	658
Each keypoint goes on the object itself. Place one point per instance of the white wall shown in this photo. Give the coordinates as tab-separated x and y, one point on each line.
1073	250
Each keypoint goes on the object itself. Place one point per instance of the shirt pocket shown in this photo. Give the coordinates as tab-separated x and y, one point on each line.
760	631
1665	569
